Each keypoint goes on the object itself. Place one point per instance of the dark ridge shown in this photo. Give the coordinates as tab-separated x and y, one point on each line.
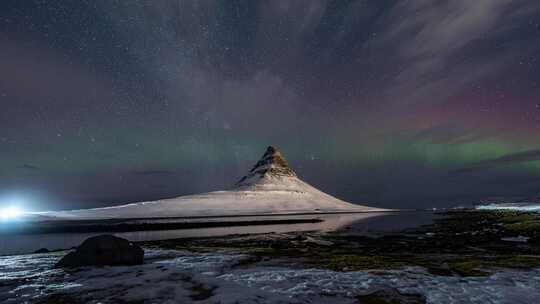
82	227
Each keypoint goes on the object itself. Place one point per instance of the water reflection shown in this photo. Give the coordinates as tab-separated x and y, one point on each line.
355	223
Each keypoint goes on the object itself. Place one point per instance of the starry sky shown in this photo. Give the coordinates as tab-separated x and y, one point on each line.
404	104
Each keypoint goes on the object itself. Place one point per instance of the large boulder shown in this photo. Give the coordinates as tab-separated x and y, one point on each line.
42	250
103	250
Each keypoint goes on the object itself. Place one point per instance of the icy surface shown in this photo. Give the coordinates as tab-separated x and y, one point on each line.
524	206
503	287
170	276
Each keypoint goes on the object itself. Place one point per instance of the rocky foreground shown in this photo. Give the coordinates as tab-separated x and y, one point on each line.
464	257
467	243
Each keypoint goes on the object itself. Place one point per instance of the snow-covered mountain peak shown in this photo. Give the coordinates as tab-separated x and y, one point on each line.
272	165
271	187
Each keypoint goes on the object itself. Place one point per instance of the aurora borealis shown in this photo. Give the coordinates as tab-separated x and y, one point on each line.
394	103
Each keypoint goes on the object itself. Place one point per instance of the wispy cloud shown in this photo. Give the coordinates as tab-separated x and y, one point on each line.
510	159
29	167
442	46
450	134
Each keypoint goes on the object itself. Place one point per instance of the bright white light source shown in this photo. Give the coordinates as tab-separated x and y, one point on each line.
10	213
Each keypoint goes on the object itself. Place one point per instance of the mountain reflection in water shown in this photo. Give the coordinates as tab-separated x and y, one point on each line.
370	223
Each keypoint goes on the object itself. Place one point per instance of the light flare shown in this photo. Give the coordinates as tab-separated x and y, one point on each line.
10	213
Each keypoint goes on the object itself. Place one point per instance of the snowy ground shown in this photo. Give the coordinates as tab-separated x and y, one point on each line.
524	207
267	195
180	277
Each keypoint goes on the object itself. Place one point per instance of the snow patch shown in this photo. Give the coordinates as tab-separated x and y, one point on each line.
524	207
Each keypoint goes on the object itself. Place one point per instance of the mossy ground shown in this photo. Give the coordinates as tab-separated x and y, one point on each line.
462	243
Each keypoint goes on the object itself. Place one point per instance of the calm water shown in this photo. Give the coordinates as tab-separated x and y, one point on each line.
358	223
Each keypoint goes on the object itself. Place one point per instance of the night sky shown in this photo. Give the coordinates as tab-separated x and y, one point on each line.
392	103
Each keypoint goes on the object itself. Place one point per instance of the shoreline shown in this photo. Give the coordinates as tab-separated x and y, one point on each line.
223	216
482	249
135	227
463	243
145	224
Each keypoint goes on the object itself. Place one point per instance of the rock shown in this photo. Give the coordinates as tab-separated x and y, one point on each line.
518	239
272	164
42	250
103	250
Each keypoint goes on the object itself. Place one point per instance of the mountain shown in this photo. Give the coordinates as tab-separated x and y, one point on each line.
272	163
270	187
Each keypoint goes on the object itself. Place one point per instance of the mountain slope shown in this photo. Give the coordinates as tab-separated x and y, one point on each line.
270	187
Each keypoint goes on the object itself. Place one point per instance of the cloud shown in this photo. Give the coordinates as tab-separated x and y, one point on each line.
520	157
439	47
449	134
213	79
29	167
510	159
400	53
